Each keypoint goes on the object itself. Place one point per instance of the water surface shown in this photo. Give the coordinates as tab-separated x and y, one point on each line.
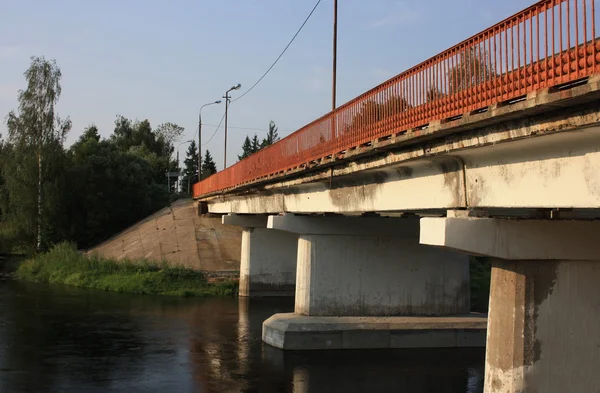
63	339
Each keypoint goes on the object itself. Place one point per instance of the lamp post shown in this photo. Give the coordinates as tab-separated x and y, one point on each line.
200	136
226	96
178	177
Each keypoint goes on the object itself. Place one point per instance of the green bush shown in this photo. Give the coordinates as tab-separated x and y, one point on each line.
481	272
63	264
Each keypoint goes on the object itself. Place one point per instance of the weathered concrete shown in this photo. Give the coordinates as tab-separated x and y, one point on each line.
514	239
543	327
298	332
348	275
530	163
268	262
370	266
178	235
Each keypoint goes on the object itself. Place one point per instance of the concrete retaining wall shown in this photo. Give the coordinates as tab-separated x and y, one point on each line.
180	236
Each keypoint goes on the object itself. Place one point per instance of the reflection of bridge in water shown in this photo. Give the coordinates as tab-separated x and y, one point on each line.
227	355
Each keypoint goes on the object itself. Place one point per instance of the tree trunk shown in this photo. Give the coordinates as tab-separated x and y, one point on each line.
39	203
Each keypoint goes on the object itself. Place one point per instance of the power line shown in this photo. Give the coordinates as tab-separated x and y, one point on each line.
248	128
196	133
214	133
279	57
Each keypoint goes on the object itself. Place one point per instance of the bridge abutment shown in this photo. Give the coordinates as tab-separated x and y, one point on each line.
268	258
543	324
366	282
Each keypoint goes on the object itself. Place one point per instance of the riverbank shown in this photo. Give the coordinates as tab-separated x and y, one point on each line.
63	264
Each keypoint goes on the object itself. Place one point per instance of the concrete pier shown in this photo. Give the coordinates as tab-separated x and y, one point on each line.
544	320
366	270
268	258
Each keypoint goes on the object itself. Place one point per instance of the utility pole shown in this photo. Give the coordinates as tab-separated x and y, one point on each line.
333	93
226	96
225	151
199	146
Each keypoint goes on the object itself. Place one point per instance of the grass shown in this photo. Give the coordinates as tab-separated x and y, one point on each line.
63	264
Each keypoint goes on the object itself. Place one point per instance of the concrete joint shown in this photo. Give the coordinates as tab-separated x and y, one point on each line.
343	225
246	221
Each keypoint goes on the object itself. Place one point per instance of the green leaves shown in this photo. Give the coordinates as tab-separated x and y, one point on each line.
32	168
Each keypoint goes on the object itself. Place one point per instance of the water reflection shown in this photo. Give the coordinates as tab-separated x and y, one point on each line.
65	339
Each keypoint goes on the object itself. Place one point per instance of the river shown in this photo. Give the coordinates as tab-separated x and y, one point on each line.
62	339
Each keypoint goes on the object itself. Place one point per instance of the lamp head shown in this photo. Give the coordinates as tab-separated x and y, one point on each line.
218	102
236	87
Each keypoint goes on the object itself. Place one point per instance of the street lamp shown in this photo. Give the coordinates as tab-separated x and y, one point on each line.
226	96
200	136
179	176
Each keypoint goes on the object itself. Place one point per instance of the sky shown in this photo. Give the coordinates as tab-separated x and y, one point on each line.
162	60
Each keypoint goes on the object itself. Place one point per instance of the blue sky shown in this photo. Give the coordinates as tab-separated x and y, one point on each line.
161	60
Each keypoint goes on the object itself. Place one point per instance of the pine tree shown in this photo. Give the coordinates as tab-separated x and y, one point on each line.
208	165
190	171
272	135
246	149
255	146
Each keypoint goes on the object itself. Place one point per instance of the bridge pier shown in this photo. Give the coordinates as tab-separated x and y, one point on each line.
544	320
366	282
268	259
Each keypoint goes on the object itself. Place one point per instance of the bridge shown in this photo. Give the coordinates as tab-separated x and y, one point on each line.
368	214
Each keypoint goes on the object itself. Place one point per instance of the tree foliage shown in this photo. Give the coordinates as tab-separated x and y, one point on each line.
190	170
169	132
35	160
272	135
473	68
372	111
208	165
88	192
118	189
253	145
246	149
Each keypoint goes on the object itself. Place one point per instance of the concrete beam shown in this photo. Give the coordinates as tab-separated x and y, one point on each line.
246	221
534	167
439	181
514	239
366	226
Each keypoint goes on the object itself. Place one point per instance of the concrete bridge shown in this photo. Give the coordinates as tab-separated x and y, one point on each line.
368	214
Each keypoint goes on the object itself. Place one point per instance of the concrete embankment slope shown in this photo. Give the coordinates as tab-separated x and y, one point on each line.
180	236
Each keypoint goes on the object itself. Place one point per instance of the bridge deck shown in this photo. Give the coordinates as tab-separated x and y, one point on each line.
546	47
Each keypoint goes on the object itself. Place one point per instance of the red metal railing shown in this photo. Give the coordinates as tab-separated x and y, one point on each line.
548	44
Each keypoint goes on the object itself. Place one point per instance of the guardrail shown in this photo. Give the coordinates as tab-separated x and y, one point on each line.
553	42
